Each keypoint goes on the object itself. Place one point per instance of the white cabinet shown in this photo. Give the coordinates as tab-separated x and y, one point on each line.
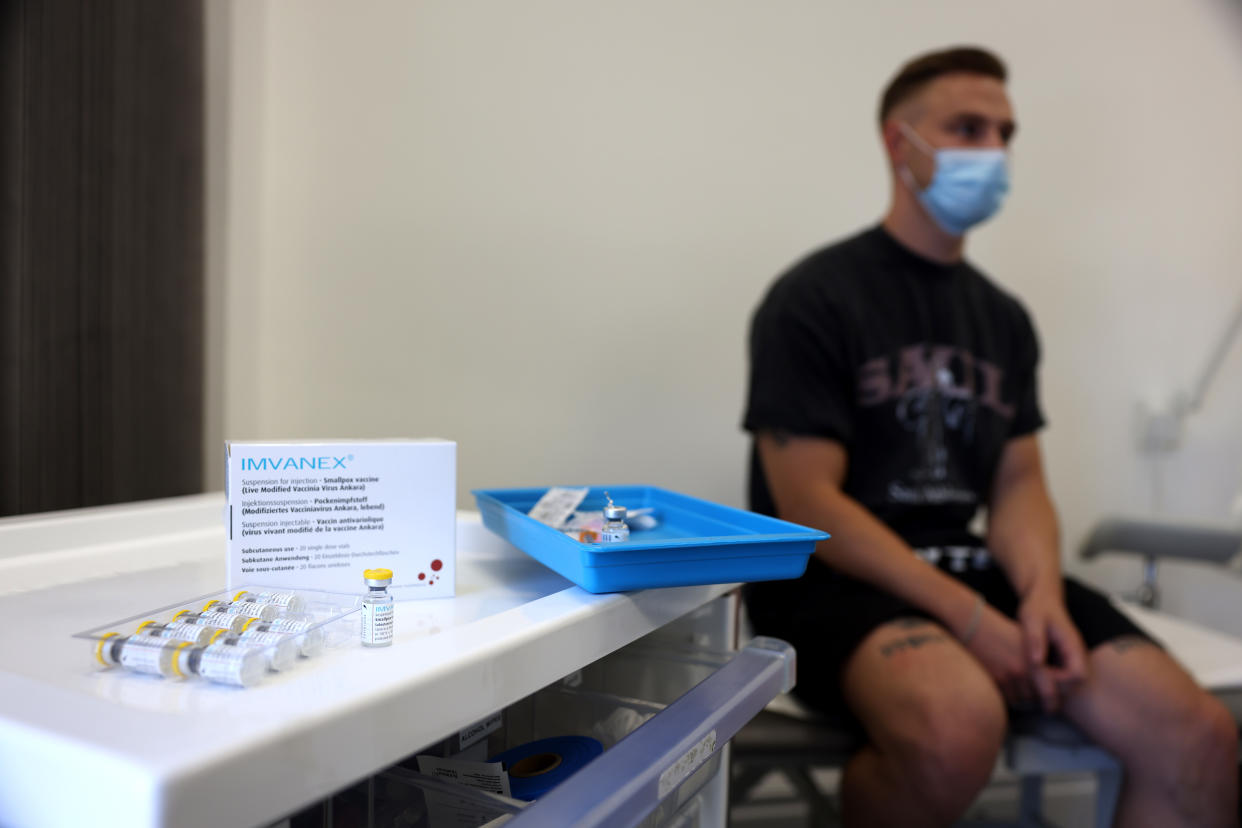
81	745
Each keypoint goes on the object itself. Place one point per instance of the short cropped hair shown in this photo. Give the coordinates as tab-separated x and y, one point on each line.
922	70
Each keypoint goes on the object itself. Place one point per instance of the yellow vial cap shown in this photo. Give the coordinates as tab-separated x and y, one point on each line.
99	648
176	668
210	604
145	624
377	574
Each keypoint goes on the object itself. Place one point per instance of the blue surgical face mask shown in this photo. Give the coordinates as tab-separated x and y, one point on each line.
967	186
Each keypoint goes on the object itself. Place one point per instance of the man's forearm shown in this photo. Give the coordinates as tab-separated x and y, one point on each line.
863	547
1023	535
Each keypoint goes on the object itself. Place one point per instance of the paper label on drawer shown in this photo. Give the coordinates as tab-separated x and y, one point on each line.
486	776
687	764
479	730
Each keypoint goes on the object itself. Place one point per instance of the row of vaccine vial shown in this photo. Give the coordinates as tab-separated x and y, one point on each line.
234	642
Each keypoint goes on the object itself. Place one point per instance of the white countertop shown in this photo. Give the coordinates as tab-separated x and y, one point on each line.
82	745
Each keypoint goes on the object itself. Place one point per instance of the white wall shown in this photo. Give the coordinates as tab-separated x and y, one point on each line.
539	228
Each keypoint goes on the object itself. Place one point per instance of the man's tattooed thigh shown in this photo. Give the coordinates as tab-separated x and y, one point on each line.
913	641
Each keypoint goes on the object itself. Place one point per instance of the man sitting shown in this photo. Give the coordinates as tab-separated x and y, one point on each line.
892	395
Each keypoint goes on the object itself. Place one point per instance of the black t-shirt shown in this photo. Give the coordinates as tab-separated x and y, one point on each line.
923	371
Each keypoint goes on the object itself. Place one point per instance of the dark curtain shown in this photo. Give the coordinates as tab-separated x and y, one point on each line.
101	251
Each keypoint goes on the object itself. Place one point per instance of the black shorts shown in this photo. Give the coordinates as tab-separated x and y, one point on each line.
826	615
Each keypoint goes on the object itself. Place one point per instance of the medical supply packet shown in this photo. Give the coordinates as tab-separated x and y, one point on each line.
315	515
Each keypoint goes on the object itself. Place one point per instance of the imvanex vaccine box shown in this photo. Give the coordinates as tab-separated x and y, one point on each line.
316	515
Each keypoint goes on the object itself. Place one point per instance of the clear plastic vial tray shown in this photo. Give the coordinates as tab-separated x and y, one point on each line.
234	637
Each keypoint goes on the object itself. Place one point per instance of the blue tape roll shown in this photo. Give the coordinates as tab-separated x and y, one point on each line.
537	767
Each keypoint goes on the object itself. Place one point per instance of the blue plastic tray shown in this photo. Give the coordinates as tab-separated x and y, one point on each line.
696	541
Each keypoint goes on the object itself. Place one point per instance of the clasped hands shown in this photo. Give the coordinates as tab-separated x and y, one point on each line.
1037	659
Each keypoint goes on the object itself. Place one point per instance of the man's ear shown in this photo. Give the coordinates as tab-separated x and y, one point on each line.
896	145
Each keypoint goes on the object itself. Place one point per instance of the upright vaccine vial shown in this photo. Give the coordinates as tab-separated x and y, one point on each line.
377	607
615	528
